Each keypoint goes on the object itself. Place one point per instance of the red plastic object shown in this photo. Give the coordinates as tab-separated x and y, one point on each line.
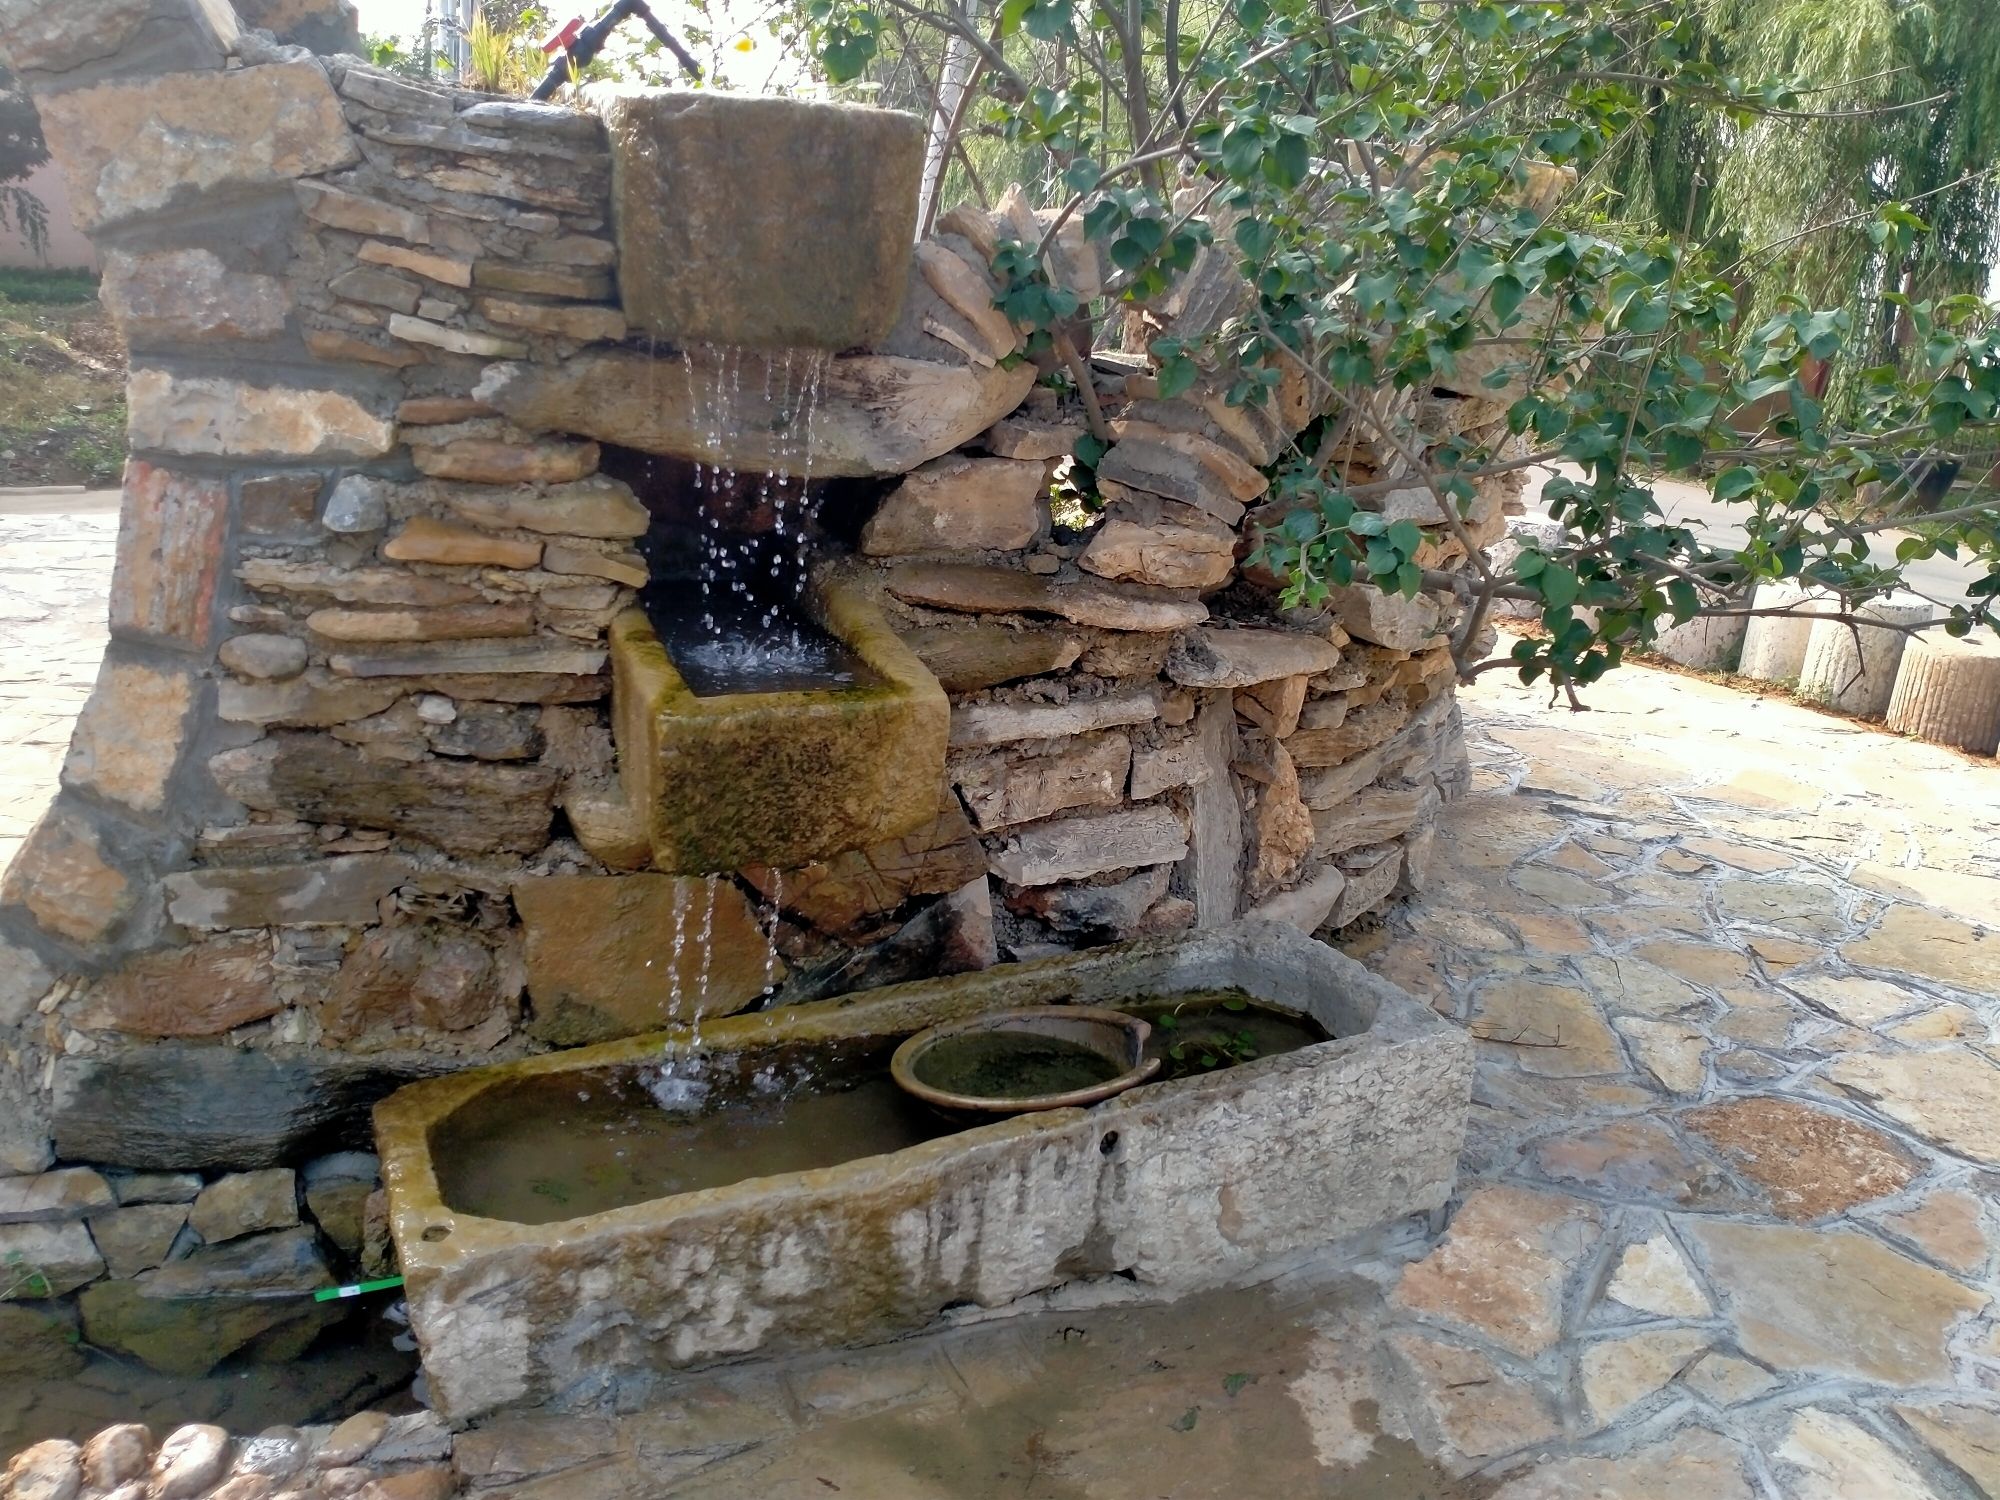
561	41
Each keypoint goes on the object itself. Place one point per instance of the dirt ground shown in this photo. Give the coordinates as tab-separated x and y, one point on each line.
62	382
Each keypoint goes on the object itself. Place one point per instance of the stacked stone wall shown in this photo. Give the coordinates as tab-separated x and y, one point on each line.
343	808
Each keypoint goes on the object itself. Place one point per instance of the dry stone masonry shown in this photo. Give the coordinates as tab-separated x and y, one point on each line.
344	809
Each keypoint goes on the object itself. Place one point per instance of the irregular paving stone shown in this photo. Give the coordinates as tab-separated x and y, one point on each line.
1946	1226
1856	1000
211	415
204	989
1834	1301
246	1203
1549	1029
1501	1268
1811	1163
1675	1055
1916	940
1826	1456
1727	1380
40	1261
138	1238
1478	1411
463	807
1618	1373
1949	1098
130	149
1638	1159
178	1107
616	955
958	504
1693	1462
1653	1277
1636	987
1966	1436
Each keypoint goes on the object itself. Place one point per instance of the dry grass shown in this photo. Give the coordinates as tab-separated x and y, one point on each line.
62	383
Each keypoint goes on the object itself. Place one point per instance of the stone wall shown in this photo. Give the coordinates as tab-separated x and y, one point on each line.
343	809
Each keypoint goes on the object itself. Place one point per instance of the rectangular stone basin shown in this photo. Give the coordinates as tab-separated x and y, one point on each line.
1176	1186
782	779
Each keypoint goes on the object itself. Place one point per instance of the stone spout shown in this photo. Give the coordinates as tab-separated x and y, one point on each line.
767	223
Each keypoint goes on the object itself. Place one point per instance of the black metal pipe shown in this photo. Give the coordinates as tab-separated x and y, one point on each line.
590	41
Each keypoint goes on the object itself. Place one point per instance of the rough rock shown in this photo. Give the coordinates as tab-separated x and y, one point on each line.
1134	464
463	807
1812	1163
1369	614
117	1455
1834	1301
1967	1436
189	295
246	1203
352	585
1500	1270
128	739
130	149
1308	906
616	955
490	731
958	504
38	1341
40	1261
453	622
845	896
190	1462
1078	848
276	658
1915	940
978	724
1640	1159
1570	1037
63	38
24	1121
1619	1373
1945	1226
176	1107
1104	913
598	506
65	879
1374	816
214	416
426	540
586	325
170	535
49	1470
1198	553
1338	745
878	414
431	977
201	990
1212	658
984	653
1281	826
1000	789
338	892
51	1197
973	589
817	257
138	1238
1674	1054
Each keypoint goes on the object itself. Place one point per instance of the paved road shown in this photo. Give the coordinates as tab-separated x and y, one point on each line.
1938	579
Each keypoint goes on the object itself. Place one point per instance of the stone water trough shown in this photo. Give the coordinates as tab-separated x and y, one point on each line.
1174	1186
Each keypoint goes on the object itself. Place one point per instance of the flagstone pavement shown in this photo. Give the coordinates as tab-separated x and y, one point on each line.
1726	1217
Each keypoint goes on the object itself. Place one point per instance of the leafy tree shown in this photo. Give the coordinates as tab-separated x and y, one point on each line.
1420	194
22	149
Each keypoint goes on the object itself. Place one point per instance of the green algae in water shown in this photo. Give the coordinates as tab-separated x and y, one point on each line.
1210	1030
1012	1065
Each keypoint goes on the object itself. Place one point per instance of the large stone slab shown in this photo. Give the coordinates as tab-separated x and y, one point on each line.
60	36
1502	1269
129	736
214	416
958	504
1211	658
463	807
1949	1098
1811	1162
1834	1301
337	892
877	414
1693	1462
1194	1183
66	877
762	221
170	540
1080	847
185	1107
974	589
615	955
201	990
131	149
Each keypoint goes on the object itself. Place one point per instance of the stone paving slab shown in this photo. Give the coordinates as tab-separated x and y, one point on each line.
1726	1215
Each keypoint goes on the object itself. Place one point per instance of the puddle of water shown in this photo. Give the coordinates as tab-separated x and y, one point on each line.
1212	1029
351	1368
1012	1065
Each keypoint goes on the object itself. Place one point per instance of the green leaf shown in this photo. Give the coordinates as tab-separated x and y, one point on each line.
1731	483
1287	163
1559	585
1685	601
1177	376
1090	450
1186	1420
